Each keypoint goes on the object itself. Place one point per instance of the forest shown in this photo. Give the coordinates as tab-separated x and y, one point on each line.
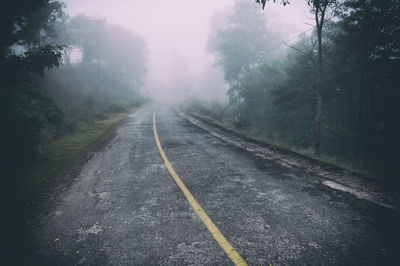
331	92
274	86
61	73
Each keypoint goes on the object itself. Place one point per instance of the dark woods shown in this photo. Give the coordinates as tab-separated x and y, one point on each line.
276	94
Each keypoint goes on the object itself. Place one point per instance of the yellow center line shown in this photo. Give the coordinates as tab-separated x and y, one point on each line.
216	233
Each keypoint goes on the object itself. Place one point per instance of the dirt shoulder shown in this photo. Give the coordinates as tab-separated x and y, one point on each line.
366	188
34	192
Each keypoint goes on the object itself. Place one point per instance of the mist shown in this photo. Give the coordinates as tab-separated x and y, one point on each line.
208	132
178	30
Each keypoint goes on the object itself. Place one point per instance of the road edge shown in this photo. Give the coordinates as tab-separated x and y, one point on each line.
330	175
40	204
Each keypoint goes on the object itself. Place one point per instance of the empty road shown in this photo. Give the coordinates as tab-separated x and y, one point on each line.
125	207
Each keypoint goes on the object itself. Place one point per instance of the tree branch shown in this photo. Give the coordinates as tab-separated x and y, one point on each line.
307	54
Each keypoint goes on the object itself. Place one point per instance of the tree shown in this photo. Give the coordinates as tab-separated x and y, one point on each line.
24	109
24	27
294	97
25	52
319	8
242	44
366	49
105	74
120	51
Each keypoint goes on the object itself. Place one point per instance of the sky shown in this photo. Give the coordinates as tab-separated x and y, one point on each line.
180	28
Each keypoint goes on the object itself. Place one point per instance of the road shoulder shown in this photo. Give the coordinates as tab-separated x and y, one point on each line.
48	178
329	175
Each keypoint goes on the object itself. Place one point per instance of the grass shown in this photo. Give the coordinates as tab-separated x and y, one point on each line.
31	191
253	134
62	154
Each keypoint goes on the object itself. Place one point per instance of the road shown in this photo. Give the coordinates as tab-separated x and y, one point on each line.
125	208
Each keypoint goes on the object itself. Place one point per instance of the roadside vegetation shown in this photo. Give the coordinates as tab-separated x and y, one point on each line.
272	90
229	117
61	75
68	152
67	82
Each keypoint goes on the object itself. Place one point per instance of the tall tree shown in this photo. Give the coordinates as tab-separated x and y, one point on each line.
319	8
241	44
122	52
366	49
26	27
24	109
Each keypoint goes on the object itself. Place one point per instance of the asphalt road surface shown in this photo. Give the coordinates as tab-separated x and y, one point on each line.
125	208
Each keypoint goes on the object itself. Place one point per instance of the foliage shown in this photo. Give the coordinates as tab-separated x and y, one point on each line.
105	80
263	2
26	27
109	49
243	43
40	98
320	9
25	112
368	45
361	89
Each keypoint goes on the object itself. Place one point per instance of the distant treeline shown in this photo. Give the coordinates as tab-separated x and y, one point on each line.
275	92
59	72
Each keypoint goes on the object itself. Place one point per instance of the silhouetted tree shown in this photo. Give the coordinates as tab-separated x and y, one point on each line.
25	51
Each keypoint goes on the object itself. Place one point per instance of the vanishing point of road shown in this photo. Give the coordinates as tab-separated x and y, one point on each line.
166	192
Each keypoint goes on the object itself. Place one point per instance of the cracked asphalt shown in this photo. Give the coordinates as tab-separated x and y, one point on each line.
125	209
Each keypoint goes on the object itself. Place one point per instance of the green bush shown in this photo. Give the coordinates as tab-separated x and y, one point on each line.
25	113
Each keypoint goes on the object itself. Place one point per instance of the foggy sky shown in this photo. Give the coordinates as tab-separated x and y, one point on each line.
173	27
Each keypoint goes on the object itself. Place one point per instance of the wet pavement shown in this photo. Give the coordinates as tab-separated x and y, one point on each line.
125	208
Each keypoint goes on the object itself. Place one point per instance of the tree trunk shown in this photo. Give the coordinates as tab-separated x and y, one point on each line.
318	115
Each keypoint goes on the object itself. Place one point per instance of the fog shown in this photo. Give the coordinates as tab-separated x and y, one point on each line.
176	32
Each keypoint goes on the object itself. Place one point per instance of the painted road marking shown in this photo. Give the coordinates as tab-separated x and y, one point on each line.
216	233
